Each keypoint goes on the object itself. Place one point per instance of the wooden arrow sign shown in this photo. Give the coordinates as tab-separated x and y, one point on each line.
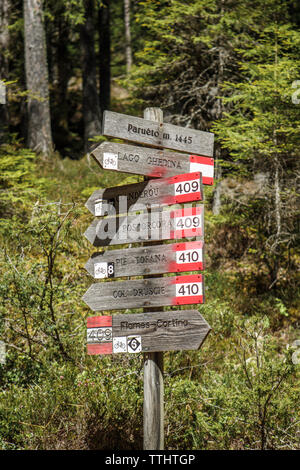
157	134
149	194
152	292
157	259
152	162
153	226
146	332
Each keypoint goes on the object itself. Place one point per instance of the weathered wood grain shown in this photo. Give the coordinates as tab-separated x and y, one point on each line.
157	134
153	292
151	162
147	194
153	409
146	332
158	259
153	226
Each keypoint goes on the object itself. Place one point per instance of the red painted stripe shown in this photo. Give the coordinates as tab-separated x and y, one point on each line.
158	172
181	267
179	199
104	348
178	178
207	180
94	322
196	299
202	160
188	197
193	232
187	246
185	177
187	211
186	279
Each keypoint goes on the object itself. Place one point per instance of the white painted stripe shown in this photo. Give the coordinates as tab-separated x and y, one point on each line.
206	170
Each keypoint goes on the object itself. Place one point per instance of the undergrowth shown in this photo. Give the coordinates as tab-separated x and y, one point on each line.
240	391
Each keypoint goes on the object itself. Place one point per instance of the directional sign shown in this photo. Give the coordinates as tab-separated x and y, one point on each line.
153	226
157	134
157	259
152	162
152	292
149	194
146	332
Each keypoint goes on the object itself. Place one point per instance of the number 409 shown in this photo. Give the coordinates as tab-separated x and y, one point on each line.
187	187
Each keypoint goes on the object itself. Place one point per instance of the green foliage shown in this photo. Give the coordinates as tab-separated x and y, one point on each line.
191	49
263	122
241	391
260	131
250	403
36	284
54	396
17	179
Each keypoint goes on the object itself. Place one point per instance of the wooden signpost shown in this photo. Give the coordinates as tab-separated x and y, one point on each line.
141	213
157	134
156	259
154	226
146	332
153	292
152	193
152	162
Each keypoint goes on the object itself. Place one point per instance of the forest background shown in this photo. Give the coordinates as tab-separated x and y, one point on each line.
230	67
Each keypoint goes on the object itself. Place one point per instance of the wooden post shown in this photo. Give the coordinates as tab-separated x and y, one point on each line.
153	370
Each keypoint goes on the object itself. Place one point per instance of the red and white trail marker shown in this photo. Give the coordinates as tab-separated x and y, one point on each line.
188	222
152	292
146	195
155	259
146	332
152	162
205	166
153	226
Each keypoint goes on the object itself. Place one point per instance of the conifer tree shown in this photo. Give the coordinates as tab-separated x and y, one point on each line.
39	123
91	108
260	131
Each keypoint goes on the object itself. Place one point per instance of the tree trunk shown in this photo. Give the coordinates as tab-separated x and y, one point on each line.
4	44
104	55
91	110
127	35
63	71
38	108
216	206
216	203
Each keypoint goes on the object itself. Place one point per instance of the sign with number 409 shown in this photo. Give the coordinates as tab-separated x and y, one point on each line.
187	187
